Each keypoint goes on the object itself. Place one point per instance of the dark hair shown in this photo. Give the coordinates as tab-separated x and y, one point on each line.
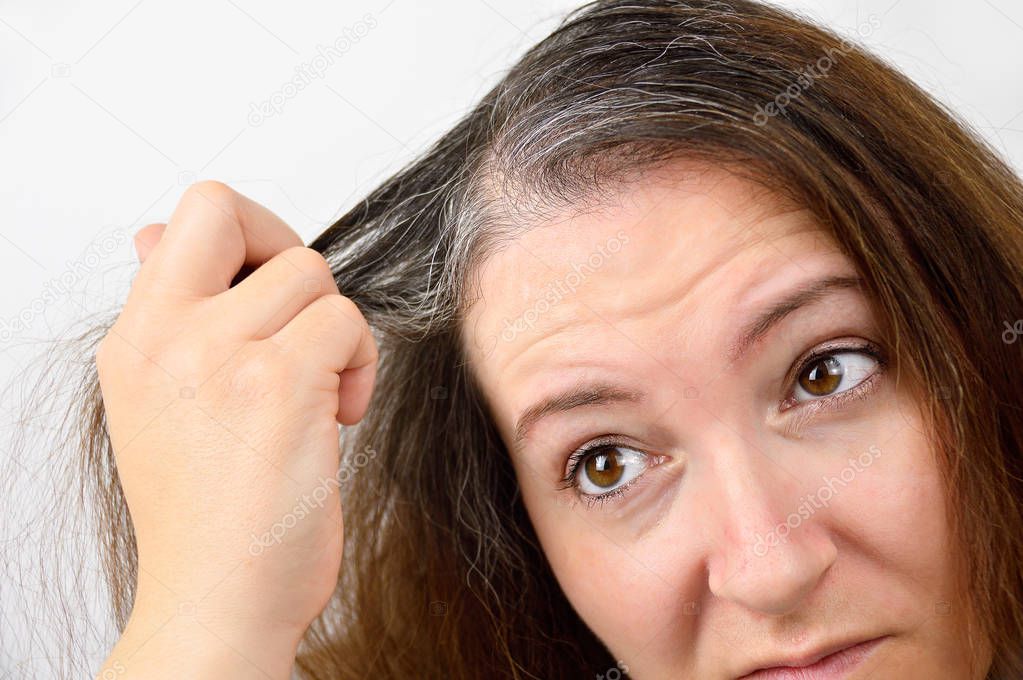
444	576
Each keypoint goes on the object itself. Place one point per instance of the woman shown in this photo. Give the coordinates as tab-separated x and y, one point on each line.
681	355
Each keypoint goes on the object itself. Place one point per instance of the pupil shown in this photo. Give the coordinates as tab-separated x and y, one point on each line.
823	377
604	469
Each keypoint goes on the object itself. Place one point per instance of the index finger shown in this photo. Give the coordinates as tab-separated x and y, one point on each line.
213	232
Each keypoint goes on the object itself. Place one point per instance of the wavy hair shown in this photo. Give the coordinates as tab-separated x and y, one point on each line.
442	573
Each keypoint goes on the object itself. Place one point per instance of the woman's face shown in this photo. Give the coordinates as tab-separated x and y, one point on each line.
749	510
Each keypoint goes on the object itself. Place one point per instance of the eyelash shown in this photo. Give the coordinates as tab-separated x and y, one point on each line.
576	458
835	401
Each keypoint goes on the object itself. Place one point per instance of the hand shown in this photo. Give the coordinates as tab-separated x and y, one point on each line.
222	406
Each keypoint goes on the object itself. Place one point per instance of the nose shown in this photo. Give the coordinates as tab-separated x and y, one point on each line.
770	549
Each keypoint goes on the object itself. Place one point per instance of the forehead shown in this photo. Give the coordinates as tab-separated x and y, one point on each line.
683	237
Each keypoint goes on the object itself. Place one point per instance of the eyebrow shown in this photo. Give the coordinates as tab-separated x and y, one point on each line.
581	394
601	392
805	294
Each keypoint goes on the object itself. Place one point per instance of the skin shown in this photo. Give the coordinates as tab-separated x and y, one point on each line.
223	402
222	406
676	575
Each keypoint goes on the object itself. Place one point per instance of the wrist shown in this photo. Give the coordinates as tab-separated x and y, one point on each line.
185	641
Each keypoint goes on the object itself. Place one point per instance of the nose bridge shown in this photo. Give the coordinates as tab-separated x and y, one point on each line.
767	553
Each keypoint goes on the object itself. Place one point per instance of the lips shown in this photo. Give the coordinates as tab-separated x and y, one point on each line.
827	664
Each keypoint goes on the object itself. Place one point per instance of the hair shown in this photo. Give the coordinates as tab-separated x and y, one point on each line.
443	575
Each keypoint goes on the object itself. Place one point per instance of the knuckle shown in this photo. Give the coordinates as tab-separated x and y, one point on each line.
310	262
101	356
261	373
118	354
142	327
211	189
346	312
348	317
112	351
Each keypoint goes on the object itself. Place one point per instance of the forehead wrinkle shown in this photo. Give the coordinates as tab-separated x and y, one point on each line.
542	338
674	298
745	223
682	177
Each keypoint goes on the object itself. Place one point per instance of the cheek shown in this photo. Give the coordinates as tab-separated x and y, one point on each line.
890	527
888	523
902	504
615	588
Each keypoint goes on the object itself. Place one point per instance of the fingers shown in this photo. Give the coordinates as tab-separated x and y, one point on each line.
146	239
148	236
333	331
213	232
273	294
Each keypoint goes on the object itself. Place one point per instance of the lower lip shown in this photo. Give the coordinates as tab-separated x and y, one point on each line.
831	667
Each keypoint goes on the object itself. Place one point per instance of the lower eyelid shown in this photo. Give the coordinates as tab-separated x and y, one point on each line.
808	410
592	500
862	389
617	494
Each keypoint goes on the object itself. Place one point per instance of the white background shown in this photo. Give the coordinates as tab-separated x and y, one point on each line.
108	110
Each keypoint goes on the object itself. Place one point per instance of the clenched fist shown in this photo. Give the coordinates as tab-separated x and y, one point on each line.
222	406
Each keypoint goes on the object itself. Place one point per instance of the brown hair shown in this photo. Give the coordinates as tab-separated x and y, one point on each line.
442	573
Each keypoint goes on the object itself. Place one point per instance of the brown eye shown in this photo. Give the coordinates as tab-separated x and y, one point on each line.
834	373
822	377
604	469
608	467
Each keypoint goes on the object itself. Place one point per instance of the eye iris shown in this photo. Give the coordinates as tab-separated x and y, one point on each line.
604	469
823	376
